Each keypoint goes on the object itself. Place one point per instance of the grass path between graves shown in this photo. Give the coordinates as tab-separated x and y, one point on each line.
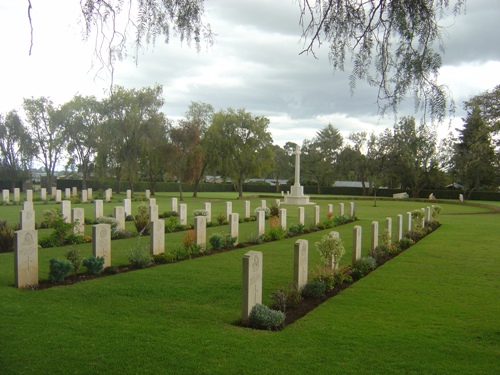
434	309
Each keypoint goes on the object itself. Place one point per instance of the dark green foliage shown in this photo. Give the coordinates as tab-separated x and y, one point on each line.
139	256
262	317
220	241
295	229
379	252
163	258
111	270
274	210
325	276
62	232
287	297
6	238
362	267
167	214
405	243
59	269
314	289
171	224
73	256
94	264
221	219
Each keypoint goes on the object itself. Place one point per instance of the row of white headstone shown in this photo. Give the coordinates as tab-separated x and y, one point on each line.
252	260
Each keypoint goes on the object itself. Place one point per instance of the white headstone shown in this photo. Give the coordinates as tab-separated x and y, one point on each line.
183	214
17	194
330	208
129	194
428	214
78	217
5	195
58	196
341	209
356	243
252	283
408	221
247	209
283	218
399	227
300	263
316	215
173	205
53	192
301	215
127	206
66	211
148	194
461	198
27	205
374	238
200	230
101	242
261	223
43	194
229	210
98	209
27	219
67	193
84	196
263	203
234	223
119	212
351	210
388	226
277	203
107	195
29	195
153	212
152	201
157	237
89	194
25	258
207	206
74	191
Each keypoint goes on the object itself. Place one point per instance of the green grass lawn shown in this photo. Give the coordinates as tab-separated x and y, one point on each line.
434	309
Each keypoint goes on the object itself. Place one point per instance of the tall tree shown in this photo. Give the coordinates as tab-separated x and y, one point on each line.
283	167
239	145
320	156
473	161
82	119
45	127
199	115
15	147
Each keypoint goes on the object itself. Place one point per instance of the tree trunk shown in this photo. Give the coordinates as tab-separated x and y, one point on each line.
181	198
240	188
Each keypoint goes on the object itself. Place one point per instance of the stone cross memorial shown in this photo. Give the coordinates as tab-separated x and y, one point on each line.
296	195
252	283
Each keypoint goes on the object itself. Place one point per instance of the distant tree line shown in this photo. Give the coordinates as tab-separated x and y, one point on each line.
126	138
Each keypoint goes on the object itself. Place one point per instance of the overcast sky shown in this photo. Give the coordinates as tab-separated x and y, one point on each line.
254	64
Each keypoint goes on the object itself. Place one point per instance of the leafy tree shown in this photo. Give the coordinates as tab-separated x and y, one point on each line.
488	103
200	115
127	113
46	132
283	166
239	145
392	44
473	161
320	156
15	147
82	119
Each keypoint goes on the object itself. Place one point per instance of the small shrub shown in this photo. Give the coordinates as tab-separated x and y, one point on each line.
180	253
167	214
343	275
163	258
113	223
221	219
139	255
330	249
253	238
73	256
189	239
142	224
94	264
339	220
362	267
262	317
379	252
296	229
415	235
405	243
325	275
274	210
287	297
275	231
220	241
314	289
111	270
59	270
385	239
171	224
417	216
200	213
267	211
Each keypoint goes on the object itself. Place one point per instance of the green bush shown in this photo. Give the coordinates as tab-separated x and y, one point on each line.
362	267
73	256
330	249
296	229
171	224
219	241
262	317
163	258
325	275
62	231
274	210
405	243
287	297
94	264
6	238
59	269
314	289
139	255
